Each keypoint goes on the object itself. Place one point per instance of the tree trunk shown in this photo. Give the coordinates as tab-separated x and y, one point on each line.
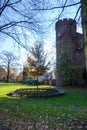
8	74
37	82
84	26
84	19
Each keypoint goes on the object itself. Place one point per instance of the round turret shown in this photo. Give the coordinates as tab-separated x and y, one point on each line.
70	56
66	26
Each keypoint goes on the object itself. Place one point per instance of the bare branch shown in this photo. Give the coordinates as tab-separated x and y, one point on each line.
62	9
14	23
2	8
58	7
16	39
77	12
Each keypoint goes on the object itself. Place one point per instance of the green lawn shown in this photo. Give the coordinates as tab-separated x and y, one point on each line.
67	112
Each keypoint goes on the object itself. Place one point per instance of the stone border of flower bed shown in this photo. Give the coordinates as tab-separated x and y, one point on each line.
34	92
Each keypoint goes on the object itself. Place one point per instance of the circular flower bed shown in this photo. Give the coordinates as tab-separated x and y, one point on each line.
34	92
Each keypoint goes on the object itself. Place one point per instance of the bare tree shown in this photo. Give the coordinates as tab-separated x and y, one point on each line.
17	18
8	62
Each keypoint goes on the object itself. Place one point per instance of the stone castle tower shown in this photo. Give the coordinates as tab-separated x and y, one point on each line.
70	57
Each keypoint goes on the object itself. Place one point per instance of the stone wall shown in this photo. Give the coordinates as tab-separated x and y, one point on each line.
70	66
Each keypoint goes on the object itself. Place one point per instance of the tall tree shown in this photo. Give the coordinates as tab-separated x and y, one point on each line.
9	62
84	19
84	26
37	61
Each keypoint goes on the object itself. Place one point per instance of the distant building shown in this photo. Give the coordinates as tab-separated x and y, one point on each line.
49	78
20	76
2	74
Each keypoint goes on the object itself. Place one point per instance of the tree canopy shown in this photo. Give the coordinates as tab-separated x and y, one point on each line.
37	61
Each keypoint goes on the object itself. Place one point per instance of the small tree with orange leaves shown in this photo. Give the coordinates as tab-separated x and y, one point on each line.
37	61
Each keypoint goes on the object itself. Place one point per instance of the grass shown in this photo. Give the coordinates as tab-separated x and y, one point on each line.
67	112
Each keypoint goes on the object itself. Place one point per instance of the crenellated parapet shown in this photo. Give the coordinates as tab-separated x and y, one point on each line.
66	25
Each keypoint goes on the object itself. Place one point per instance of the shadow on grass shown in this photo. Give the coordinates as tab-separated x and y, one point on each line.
23	113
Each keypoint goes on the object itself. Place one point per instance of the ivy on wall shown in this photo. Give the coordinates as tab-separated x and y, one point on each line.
66	69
